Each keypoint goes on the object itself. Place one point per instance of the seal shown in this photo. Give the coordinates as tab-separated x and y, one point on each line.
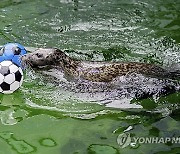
91	71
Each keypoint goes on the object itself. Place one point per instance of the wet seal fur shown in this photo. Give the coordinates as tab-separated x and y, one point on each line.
92	71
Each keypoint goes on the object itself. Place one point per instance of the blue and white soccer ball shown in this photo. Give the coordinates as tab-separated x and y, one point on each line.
11	77
12	52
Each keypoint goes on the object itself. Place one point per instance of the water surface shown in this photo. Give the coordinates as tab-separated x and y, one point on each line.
45	118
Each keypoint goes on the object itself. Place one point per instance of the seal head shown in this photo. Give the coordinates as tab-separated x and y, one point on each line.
40	57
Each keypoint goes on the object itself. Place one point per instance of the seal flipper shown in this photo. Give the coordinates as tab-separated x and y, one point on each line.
174	71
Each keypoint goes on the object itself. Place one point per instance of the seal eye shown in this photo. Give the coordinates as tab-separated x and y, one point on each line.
17	51
39	55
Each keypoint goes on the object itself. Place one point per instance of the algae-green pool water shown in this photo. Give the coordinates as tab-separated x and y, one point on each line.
42	118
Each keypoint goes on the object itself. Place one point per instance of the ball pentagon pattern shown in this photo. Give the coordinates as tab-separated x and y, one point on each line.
11	77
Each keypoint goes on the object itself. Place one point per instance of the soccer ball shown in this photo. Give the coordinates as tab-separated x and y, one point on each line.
11	77
12	52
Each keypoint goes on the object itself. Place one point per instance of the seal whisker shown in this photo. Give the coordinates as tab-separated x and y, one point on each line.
26	64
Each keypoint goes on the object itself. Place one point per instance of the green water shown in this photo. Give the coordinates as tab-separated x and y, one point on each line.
41	119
